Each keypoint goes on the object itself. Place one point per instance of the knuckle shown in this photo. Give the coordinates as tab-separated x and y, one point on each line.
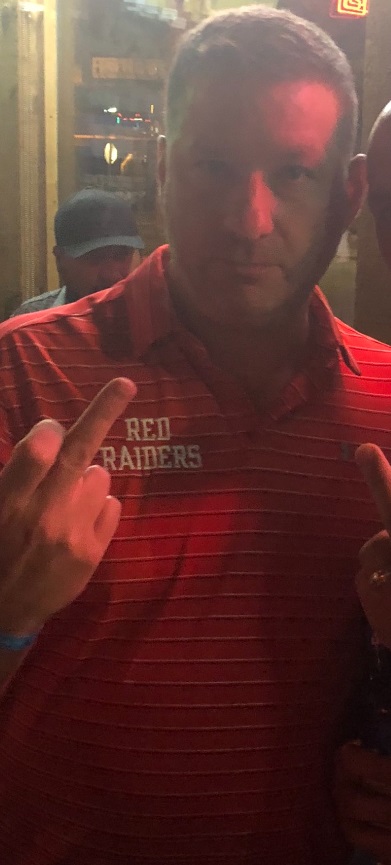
47	534
26	452
96	484
14	526
101	475
70	543
75	458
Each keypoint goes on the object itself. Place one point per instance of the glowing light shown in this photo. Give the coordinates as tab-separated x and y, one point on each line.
349	8
110	153
31	7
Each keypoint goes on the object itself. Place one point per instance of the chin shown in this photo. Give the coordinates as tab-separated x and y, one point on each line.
251	319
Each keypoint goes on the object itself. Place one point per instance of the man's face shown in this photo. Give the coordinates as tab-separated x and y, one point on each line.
96	270
254	197
379	187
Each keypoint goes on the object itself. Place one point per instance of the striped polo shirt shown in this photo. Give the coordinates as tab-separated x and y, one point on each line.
185	709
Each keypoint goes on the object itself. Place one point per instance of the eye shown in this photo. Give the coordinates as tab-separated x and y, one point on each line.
294	173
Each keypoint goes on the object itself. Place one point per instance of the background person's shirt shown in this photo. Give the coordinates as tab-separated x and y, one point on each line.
47	300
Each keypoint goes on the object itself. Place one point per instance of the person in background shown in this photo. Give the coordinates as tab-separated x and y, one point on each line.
184	703
379	180
357	796
97	245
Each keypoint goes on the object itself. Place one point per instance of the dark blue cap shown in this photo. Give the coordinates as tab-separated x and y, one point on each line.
93	219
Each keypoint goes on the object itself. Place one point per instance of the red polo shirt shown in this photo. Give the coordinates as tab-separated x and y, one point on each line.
184	710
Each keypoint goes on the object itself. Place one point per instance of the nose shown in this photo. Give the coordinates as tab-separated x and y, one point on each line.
251	208
114	271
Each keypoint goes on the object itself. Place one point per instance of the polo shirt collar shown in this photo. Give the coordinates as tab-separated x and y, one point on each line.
328	332
152	317
150	311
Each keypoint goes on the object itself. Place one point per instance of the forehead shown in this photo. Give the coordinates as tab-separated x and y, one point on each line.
296	116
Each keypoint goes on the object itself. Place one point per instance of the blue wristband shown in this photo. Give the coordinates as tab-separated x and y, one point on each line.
16	644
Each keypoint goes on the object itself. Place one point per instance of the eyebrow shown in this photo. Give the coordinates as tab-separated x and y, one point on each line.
292	155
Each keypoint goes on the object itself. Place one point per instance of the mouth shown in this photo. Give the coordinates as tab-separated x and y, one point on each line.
252	271
243	265
241	271
251	263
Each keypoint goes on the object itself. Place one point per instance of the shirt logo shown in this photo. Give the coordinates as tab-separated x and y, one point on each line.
139	454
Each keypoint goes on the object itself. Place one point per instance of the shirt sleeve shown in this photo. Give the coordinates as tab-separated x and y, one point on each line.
13	379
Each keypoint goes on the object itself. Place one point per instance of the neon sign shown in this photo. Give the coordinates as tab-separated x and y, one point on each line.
349	8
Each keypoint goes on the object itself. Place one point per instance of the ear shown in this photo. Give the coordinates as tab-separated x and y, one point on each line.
59	256
161	162
136	260
356	186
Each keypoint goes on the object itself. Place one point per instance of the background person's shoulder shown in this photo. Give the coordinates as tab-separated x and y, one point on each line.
47	300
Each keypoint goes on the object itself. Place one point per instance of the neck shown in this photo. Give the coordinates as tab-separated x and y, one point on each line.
263	361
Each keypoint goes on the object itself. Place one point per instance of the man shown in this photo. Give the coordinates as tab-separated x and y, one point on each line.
97	245
379	180
184	705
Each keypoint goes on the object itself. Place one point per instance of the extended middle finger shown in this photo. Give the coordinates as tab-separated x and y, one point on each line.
85	437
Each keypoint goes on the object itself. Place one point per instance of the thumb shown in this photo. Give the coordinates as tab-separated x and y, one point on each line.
376	471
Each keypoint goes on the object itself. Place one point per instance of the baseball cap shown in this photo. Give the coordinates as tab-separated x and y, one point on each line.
93	219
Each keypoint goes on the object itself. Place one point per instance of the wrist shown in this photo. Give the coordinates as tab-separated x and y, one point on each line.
16	643
17	621
13	629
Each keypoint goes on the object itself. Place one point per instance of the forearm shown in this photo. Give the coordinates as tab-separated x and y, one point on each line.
57	518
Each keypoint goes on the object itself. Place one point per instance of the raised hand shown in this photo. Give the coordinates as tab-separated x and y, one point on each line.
374	578
363	777
56	515
363	795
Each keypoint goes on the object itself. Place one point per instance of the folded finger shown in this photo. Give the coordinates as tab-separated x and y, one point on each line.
368	807
362	767
92	494
107	522
31	461
376	552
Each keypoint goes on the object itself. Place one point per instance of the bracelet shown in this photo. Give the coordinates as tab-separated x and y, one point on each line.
16	644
